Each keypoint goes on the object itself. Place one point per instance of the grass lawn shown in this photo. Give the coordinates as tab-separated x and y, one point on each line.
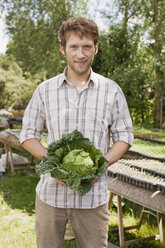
149	148
17	215
146	147
155	134
17	210
131	213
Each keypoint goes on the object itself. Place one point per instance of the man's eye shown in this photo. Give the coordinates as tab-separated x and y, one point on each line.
73	46
87	47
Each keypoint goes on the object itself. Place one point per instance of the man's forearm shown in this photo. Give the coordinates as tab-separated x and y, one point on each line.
35	148
117	150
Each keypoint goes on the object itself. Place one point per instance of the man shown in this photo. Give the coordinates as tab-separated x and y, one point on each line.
83	100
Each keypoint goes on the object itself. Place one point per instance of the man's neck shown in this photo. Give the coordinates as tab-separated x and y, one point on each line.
76	79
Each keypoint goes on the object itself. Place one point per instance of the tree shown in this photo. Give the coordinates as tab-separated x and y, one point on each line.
34	28
117	47
121	53
152	12
16	90
123	59
159	44
129	9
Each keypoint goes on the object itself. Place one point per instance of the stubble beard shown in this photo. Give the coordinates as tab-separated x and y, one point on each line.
81	70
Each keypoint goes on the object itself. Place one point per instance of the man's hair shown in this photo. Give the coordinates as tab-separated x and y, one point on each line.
80	26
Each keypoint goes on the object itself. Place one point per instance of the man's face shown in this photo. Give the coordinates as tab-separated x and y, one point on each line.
80	52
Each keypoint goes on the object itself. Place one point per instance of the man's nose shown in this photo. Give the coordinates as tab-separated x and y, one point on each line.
80	53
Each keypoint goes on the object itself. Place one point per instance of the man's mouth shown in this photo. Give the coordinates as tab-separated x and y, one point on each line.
81	62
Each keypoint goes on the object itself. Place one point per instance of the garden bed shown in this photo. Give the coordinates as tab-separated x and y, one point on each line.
138	173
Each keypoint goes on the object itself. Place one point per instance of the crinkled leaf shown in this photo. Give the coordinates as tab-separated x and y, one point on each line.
44	167
78	161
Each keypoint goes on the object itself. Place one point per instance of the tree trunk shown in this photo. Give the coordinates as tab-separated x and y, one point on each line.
125	21
158	62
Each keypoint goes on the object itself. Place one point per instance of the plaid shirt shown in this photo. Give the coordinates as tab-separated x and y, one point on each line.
100	109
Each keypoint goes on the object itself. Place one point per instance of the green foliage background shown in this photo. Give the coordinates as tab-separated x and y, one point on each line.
131	51
16	89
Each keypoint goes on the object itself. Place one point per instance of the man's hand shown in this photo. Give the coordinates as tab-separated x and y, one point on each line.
94	180
60	182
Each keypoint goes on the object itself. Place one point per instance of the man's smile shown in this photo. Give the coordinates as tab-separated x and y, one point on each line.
81	62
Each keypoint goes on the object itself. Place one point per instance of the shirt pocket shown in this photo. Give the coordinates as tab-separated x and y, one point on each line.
98	118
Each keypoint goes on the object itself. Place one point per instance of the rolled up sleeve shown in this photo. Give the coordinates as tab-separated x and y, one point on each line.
34	118
121	128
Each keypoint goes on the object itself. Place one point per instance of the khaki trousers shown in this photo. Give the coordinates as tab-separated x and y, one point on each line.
90	226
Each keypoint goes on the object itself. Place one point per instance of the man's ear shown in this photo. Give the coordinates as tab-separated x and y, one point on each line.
62	49
96	48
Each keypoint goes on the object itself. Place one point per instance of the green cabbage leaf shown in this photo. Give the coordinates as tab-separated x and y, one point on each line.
74	160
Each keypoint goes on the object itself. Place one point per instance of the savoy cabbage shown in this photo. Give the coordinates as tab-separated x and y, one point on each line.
74	160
